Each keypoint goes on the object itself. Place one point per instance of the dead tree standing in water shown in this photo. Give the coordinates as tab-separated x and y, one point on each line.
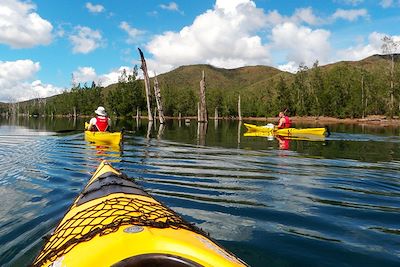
202	116
146	83
239	110
157	93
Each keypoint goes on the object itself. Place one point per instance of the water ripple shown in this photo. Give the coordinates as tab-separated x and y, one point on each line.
283	208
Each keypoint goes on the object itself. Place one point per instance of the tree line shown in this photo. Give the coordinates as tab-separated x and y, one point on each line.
340	90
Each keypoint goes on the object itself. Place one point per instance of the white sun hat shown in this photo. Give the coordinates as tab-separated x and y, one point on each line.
101	111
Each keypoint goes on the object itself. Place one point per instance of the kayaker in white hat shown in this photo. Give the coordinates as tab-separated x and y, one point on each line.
101	122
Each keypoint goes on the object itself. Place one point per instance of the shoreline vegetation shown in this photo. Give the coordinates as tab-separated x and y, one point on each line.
372	120
320	120
357	92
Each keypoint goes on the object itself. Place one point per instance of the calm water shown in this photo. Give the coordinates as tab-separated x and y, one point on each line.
332	202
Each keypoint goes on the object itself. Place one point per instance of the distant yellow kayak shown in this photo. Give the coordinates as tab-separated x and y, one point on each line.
106	138
113	222
285	131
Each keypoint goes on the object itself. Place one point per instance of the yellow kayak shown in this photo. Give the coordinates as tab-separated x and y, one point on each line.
107	138
113	222
285	131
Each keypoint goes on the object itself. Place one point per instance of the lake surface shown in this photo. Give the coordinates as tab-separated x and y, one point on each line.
332	202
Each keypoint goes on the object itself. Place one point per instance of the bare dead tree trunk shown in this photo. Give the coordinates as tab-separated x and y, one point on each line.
239	109
216	113
146	83
202	117
157	93
74	112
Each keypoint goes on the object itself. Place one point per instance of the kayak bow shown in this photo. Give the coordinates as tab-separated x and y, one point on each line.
107	138
285	131
113	222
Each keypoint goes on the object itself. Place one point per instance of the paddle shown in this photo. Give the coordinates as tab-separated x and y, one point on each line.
67	131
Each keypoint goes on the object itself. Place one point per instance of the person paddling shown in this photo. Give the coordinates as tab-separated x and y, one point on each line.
284	121
101	122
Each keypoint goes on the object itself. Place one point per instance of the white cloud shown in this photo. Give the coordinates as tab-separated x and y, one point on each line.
350	2
113	75
21	27
291	66
350	15
132	32
225	37
172	6
85	40
301	44
236	33
361	51
230	6
94	8
301	15
88	75
17	81
84	74
43	90
13	71
306	15
389	3
386	3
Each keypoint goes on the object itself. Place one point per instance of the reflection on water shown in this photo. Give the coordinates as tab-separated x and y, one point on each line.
220	225
331	202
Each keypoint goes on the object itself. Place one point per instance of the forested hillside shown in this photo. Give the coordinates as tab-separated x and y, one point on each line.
343	89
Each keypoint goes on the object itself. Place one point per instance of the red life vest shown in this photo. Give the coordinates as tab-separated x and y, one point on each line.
101	123
288	123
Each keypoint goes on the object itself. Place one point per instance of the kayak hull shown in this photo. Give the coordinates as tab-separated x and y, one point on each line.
106	138
105	227
286	131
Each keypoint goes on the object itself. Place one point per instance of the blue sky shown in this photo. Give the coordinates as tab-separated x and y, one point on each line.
43	44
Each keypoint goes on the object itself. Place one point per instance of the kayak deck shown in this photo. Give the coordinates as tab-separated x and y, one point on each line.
113	220
286	131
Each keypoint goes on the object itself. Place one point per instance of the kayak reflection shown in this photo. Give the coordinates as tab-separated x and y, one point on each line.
112	153
284	141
